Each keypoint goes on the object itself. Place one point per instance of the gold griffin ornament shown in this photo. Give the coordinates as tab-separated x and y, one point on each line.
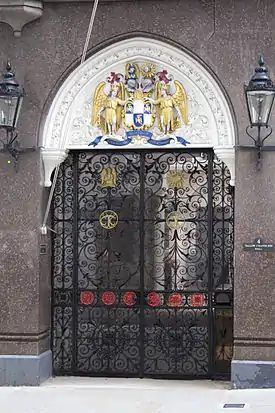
175	220
108	177
176	179
108	219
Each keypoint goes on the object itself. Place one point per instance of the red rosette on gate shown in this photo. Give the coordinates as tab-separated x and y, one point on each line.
86	297
108	298
175	300
154	299
197	300
130	298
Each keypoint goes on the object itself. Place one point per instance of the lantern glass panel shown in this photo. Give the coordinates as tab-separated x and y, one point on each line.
9	111
259	104
18	110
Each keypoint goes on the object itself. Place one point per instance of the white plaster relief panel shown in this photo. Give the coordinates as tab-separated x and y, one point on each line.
69	124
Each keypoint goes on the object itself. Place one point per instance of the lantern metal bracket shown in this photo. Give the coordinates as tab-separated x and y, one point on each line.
12	146
259	140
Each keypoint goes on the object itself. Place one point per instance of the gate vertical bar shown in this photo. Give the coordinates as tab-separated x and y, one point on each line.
210	263
75	259
232	261
141	231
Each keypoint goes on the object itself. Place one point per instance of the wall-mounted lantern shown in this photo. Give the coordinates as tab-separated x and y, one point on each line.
260	93
11	98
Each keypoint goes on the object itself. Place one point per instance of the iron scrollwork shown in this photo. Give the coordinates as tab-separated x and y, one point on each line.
135	299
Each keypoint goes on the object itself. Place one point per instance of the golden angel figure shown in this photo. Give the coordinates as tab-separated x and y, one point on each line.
172	109
107	109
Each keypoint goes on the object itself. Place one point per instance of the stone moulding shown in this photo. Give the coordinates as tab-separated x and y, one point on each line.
17	13
56	136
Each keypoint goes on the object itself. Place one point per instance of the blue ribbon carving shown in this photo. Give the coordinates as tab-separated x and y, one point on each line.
160	142
118	143
133	133
144	133
96	141
111	141
166	141
182	140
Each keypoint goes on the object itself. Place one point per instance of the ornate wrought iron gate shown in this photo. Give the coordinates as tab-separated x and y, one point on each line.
142	265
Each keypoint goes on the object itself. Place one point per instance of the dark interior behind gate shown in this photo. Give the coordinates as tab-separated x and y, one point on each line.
142	265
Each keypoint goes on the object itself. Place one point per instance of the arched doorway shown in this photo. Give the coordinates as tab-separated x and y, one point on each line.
143	214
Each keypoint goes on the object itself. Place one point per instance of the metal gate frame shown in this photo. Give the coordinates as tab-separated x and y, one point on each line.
65	302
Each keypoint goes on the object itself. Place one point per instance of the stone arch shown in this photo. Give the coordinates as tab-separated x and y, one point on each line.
67	124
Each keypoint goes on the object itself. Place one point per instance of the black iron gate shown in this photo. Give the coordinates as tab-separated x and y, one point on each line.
142	265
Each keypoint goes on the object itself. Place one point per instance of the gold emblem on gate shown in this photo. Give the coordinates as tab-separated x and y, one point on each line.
108	177
175	220
176	179
108	219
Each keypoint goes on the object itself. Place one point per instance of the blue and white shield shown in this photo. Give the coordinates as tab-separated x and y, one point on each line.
138	114
138	120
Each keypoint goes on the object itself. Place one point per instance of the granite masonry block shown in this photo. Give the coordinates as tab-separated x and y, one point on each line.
247	374
25	370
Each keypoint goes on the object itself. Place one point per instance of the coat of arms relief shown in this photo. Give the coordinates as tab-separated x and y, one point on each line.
141	104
